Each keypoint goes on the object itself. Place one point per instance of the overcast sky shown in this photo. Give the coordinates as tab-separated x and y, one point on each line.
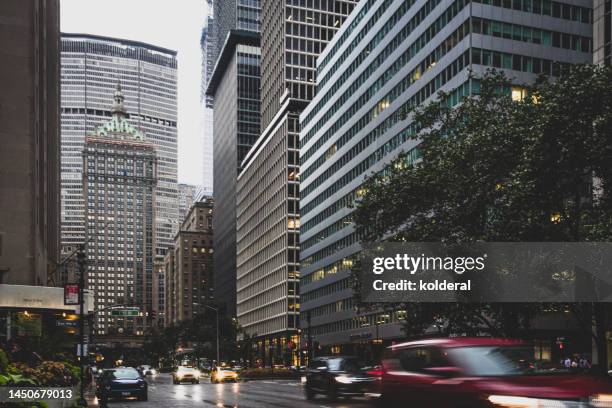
166	24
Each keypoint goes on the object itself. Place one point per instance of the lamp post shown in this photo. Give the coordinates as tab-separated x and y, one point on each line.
216	310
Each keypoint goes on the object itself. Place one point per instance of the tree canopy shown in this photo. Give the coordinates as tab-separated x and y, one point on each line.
529	163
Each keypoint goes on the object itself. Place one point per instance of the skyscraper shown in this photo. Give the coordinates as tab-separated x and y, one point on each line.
268	218
234	84
29	142
208	46
119	179
90	68
388	58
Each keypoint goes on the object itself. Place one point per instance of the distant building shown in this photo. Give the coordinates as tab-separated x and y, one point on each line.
186	197
268	209
29	142
158	313
602	32
90	68
119	180
189	266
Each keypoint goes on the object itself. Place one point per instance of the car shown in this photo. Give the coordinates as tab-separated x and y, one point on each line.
119	383
147	370
223	374
482	373
337	376
186	374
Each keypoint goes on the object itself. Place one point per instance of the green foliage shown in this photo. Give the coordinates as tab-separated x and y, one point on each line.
4	362
500	170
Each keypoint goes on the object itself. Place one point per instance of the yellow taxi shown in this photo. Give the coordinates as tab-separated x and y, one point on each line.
223	374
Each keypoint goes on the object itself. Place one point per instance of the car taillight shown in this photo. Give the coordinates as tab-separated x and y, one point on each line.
375	372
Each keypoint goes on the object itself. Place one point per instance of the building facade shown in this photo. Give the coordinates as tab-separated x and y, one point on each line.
186	197
91	66
268	219
235	87
119	180
389	57
208	46
602	32
189	266
29	156
235	15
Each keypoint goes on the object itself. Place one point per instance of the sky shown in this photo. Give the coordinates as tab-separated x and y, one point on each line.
161	23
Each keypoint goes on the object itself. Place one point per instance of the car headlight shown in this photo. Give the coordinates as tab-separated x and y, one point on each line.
601	401
153	371
303	379
343	379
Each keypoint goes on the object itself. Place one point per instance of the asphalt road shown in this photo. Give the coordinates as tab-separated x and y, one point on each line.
251	394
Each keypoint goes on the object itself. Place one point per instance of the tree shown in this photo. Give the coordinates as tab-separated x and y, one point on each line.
498	169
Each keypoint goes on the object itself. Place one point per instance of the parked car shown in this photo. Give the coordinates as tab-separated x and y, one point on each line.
186	374
223	374
337	376
482	372
121	383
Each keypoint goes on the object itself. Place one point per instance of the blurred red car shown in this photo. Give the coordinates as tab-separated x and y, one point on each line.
482	372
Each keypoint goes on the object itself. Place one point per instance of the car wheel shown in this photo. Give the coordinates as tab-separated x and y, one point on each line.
310	394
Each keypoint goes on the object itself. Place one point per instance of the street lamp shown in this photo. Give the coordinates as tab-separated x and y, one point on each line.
216	310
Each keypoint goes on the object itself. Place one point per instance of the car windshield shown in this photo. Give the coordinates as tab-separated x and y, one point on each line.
123	374
499	361
349	365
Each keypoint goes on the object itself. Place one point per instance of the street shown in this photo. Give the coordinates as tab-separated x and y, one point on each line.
251	394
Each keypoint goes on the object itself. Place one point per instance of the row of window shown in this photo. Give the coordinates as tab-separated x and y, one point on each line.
414	22
400	63
398	115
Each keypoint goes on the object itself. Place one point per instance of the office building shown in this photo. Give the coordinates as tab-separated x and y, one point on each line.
208	46
91	66
235	87
119	180
29	140
268	220
235	15
189	266
186	198
602	32
158	305
389	57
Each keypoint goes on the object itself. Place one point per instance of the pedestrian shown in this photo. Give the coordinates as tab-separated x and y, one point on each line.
567	363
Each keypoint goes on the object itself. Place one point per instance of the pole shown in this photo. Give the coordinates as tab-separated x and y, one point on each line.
217	314
82	260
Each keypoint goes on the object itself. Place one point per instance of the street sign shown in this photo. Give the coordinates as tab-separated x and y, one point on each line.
66	323
125	312
71	294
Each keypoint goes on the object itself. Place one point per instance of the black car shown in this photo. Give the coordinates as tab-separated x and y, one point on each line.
121	383
338	377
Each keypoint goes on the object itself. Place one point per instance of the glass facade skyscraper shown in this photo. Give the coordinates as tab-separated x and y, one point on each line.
235	87
389	57
236	126
91	67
